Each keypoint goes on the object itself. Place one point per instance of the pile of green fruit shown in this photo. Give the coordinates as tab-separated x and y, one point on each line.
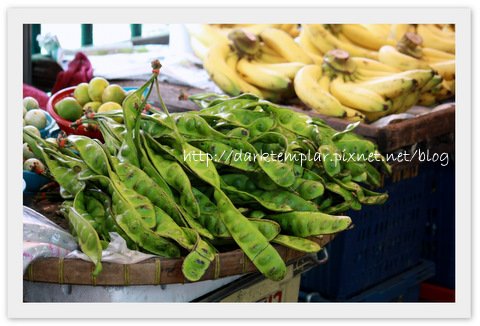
174	184
97	96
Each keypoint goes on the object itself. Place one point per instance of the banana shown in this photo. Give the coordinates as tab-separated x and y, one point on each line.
446	69
325	41
324	83
309	48
449	85
373	65
363	37
432	40
356	97
287	69
198	48
284	45
225	77
262	77
427	99
309	91
432	83
259	28
269	58
232	60
391	86
353	115
391	56
379	30
397	104
206	34
398	30
432	55
410	100
440	31
421	76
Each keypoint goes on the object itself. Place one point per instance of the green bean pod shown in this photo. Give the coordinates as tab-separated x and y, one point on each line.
297	243
167	228
306	224
87	236
175	177
196	263
209	216
250	240
91	152
132	224
268	228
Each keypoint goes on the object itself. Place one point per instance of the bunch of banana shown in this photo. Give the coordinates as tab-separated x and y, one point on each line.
263	64
440	37
360	88
408	54
329	37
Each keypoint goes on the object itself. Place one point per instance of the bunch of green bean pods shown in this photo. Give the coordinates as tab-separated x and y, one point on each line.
239	171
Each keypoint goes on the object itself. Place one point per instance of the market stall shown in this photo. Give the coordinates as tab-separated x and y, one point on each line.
294	170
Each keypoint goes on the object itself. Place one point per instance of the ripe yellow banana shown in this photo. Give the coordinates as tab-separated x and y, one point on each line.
432	40
432	55
369	68
450	85
325	41
287	69
232	60
262	77
397	104
427	99
379	30
410	100
309	48
225	77
441	31
446	69
398	30
284	45
353	115
392	57
364	37
309	92
356	97
391	86
421	76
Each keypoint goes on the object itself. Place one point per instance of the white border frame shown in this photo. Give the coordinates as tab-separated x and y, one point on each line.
16	17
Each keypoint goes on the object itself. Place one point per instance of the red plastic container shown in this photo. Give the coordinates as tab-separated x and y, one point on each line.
65	124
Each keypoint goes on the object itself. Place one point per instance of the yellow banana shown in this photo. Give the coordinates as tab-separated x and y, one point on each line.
259	28
284	45
410	100
379	30
432	55
225	77
392	57
391	86
287	69
371	64
431	84
397	104
309	92
266	57
262	77
232	60
398	30
446	69
363	37
427	99
440	31
309	48
353	115
432	40
421	76
450	85
325	41
206	34
356	97
324	83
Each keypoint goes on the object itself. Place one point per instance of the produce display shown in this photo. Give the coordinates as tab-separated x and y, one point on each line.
241	172
354	71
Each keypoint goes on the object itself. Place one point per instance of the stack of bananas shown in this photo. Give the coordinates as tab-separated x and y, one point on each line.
258	59
354	71
401	46
357	88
